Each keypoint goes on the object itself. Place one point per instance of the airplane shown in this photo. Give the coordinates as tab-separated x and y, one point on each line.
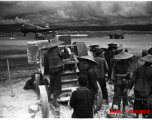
39	31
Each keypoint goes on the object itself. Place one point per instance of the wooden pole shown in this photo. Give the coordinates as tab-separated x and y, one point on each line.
12	95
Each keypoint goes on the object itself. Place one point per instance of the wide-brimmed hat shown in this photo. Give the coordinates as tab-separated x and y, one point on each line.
53	43
112	44
87	58
147	58
123	55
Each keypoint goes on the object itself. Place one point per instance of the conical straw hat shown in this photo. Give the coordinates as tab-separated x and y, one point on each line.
88	58
123	55
147	58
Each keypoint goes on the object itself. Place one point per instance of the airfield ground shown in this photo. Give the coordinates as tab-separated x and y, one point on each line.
15	52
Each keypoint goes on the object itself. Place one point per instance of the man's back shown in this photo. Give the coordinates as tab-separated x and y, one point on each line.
142	77
82	103
101	68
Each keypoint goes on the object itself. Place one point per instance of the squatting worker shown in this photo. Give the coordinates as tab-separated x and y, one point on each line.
101	70
142	79
82	100
55	59
121	74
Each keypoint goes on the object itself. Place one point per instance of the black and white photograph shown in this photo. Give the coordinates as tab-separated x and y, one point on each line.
75	59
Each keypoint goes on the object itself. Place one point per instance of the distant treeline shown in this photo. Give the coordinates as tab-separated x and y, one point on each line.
11	28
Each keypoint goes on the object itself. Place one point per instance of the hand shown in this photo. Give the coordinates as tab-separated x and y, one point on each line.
125	91
124	80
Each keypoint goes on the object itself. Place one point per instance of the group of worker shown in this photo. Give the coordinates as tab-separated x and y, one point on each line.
124	77
116	61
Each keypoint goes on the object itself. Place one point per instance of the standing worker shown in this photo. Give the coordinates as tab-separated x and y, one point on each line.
113	61
100	70
88	63
90	72
110	54
55	59
121	75
82	100
142	79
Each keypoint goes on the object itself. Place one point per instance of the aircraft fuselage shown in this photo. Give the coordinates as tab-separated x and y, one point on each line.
30	28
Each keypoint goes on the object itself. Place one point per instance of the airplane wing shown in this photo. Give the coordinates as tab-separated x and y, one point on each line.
50	29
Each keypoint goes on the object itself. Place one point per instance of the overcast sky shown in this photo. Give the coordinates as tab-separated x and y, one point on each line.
76	12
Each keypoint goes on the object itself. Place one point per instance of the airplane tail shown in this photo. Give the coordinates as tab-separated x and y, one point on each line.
47	26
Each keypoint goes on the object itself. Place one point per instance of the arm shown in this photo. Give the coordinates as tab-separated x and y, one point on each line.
72	101
106	65
93	80
63	54
132	81
113	73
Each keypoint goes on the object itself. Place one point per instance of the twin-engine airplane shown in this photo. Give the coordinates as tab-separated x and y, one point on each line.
39	31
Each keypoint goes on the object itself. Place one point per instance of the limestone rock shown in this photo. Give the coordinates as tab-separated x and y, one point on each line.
33	109
32	115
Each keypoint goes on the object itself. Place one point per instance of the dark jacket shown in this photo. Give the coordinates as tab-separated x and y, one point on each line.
82	103
112	62
142	78
92	80
123	69
55	58
101	68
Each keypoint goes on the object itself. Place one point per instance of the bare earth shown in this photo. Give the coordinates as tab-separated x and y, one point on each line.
15	52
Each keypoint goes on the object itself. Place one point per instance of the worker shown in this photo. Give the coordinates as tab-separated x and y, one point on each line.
88	63
82	100
110	54
113	61
121	75
90	72
142	79
101	70
55	60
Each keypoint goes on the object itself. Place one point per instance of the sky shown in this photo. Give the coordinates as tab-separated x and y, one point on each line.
76	13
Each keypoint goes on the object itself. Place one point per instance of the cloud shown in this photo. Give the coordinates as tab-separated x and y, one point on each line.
76	12
17	20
